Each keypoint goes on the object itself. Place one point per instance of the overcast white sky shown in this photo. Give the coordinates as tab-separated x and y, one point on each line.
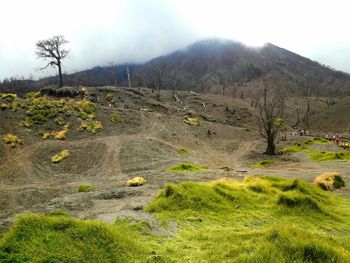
137	30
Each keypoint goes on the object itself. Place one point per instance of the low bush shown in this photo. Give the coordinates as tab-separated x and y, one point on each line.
116	118
11	139
59	157
110	97
192	121
329	181
136	181
85	188
90	126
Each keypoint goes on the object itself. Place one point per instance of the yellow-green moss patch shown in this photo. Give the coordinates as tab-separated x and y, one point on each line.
60	156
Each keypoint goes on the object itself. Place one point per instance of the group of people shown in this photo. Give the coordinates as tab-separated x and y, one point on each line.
336	138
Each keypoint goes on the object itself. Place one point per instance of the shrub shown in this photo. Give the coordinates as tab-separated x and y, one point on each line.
4	106
110	97
60	156
11	139
90	126
192	121
85	188
116	118
9	97
85	106
59	121
136	181
27	122
329	181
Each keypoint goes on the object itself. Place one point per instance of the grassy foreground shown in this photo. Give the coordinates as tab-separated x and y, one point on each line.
264	219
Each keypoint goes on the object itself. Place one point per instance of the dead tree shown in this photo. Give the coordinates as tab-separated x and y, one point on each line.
174	84
128	73
270	107
141	79
113	73
52	51
159	72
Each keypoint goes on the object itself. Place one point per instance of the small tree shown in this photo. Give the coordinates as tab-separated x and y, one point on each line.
270	105
52	50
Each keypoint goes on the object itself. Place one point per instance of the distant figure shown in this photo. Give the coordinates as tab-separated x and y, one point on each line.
326	136
337	139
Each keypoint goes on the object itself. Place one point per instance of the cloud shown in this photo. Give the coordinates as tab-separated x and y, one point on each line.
137	30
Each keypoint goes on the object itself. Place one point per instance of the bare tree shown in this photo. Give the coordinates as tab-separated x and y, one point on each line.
270	104
174	84
159	72
128	73
113	73
52	50
141	79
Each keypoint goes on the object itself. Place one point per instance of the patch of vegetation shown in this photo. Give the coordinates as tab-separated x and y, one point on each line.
324	156
182	151
247	129
58	135
266	219
192	121
40	238
110	97
60	121
60	156
316	140
8	97
136	181
85	106
90	126
11	139
329	181
186	167
4	106
264	163
116	118
27	122
85	188
297	148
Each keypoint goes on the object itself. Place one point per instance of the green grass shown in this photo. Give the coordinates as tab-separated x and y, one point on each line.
85	188
186	167
316	140
297	148
264	163
324	156
39	238
183	151
265	219
116	118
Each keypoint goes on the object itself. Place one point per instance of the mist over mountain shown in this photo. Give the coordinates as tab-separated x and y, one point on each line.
218	65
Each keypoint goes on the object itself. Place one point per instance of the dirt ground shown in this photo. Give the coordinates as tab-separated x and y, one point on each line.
144	143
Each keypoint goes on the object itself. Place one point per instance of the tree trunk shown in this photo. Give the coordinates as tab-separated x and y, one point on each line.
60	74
270	149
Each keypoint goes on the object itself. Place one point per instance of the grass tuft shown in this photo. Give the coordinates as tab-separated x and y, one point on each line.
59	157
116	118
90	126
316	140
136	181
182	151
297	148
186	167
192	121
11	139
85	188
329	181
264	163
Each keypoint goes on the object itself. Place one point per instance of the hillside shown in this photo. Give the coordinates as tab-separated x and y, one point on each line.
213	64
205	186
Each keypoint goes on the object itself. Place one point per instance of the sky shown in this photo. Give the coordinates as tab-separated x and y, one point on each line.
135	31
